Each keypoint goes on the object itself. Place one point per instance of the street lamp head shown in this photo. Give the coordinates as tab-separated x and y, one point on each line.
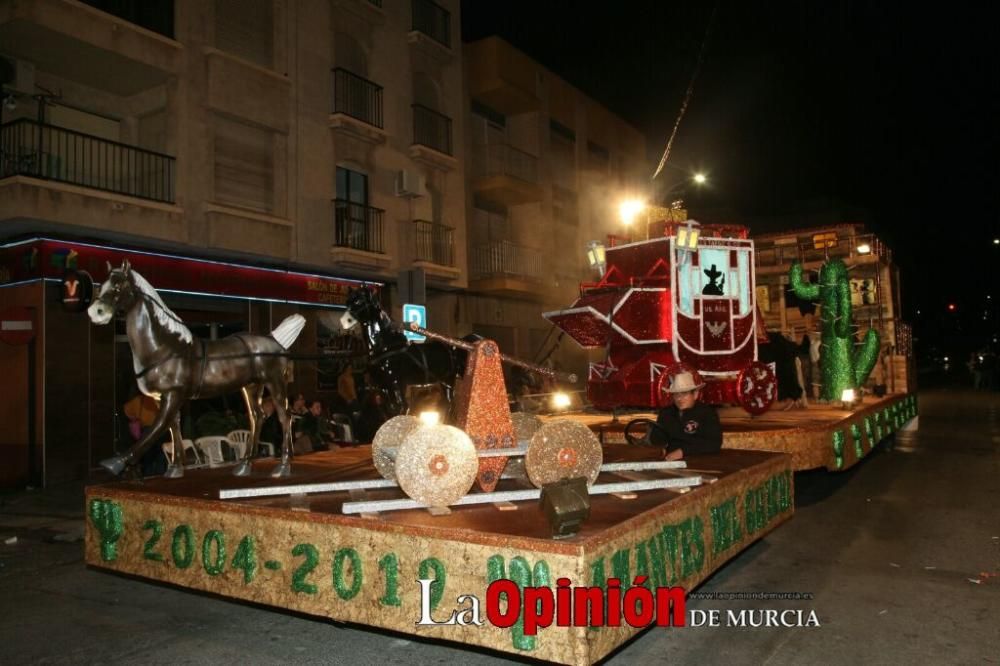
700	178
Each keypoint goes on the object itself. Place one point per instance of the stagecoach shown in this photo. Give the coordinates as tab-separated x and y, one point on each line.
683	299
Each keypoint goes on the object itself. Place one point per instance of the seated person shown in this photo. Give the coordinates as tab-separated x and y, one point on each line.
270	429
686	427
313	430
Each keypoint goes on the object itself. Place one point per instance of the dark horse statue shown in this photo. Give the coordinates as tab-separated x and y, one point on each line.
174	367
396	364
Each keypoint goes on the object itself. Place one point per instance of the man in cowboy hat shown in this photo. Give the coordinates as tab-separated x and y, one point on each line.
686	427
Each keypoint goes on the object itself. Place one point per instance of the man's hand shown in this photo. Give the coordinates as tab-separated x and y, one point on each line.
676	454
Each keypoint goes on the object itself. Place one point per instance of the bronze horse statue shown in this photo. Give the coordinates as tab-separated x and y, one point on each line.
174	367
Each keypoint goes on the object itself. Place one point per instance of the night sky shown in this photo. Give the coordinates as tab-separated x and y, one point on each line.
880	110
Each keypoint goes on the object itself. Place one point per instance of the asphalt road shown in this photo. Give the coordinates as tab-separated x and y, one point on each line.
900	554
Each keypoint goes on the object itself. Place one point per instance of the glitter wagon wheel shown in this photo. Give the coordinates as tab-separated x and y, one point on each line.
436	465
563	450
387	441
756	388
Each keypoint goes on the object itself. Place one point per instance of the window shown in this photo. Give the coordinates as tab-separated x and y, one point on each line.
721	273
563	146
352	186
489	222
598	157
244	166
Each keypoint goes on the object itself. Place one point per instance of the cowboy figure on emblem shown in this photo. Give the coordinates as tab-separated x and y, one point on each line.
686	427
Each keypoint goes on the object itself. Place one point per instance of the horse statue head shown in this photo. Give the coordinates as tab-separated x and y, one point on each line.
173	367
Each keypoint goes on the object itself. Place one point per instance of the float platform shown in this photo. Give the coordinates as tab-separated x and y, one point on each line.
821	435
301	553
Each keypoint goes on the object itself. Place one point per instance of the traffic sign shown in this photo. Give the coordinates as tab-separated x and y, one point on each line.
415	314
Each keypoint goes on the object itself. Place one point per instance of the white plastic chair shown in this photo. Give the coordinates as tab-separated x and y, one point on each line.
239	440
212	448
186	445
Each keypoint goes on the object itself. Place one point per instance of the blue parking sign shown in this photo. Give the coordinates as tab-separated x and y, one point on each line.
415	313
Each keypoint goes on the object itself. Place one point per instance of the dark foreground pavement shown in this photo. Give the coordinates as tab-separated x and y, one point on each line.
901	555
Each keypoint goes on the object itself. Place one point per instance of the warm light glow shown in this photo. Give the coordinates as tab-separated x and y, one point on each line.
864	248
560	400
629	209
847	395
951	307
596	255
430	418
945	359
700	178
996	241
687	237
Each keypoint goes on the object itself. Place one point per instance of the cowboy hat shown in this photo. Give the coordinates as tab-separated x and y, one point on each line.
712	272
683	382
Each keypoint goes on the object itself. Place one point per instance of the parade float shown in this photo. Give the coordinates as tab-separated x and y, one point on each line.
686	298
346	534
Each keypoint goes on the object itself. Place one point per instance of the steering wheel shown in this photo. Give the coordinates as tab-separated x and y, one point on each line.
639	441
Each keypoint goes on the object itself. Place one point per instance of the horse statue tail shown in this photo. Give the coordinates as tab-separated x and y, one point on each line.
288	330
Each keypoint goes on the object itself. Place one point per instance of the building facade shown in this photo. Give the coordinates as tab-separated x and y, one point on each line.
547	169
323	139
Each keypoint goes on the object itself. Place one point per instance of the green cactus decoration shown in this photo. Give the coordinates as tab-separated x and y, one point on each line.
108	519
838	448
841	366
859	450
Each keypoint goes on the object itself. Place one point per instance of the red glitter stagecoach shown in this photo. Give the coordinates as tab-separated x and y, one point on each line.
684	299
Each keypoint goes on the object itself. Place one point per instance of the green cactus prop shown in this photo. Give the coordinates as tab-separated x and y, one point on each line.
841	366
107	518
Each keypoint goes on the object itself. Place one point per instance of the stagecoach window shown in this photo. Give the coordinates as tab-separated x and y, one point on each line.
714	278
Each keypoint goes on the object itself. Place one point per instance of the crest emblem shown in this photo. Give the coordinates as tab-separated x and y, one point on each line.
716	328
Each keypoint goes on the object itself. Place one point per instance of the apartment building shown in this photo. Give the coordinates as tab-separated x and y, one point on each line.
286	148
547	169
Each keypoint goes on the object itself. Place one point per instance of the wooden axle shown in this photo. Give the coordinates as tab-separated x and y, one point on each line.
509	360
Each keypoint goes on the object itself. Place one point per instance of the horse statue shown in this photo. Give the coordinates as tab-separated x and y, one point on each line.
396	364
174	367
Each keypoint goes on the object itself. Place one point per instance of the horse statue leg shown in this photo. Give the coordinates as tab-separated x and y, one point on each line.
245	466
175	469
278	388
169	407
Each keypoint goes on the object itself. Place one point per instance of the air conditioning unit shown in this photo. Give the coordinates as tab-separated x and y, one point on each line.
17	75
410	184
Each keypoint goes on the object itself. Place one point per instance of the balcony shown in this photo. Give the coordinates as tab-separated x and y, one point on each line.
357	107
502	77
505	175
855	249
431	27
28	148
435	249
359	235
432	138
505	269
92	47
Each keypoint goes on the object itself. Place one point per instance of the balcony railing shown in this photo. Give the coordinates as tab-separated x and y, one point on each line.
28	148
820	248
435	243
504	258
357	97
432	20
358	226
500	159
431	129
